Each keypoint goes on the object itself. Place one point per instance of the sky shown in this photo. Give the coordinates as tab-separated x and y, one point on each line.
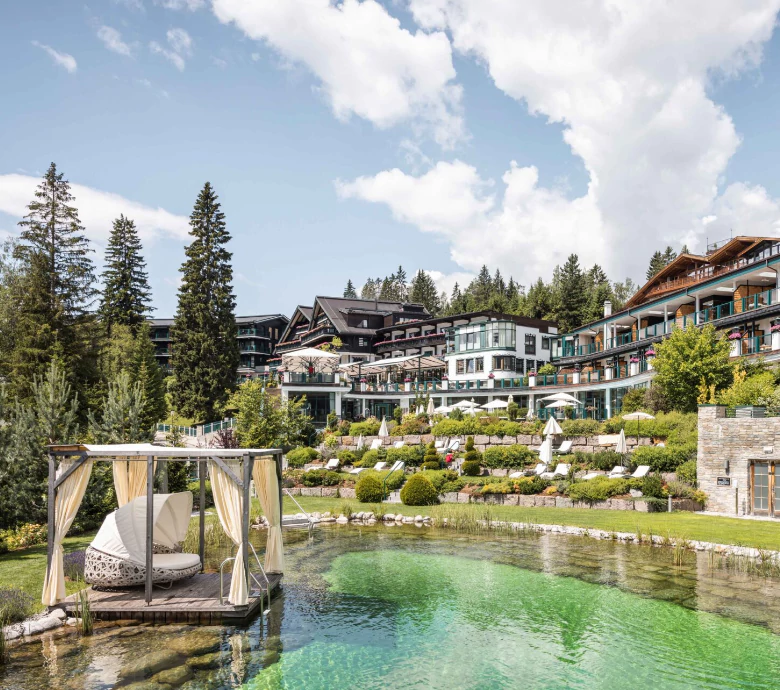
347	138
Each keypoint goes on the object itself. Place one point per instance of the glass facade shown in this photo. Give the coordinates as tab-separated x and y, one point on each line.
490	335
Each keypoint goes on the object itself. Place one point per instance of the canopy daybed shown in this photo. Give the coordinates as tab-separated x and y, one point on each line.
137	543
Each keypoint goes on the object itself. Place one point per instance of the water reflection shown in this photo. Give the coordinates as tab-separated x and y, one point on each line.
377	607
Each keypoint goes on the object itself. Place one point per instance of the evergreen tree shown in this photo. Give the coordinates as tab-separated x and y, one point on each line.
622	292
669	255
126	293
149	376
539	303
56	292
205	354
371	289
480	290
656	264
121	414
572	295
423	291
387	291
401	288
350	291
685	249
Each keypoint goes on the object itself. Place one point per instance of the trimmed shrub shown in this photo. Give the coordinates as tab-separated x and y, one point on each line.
440	478
580	427
497	488
431	453
394	481
431	465
530	485
368	428
597	489
346	457
369	459
680	489
471	468
298	457
369	489
653	486
313	478
411	455
330	478
600	460
418	491
666	459
28	534
411	425
508	456
687	472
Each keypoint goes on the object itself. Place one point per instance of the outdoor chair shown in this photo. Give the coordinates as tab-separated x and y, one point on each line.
332	464
441	444
592	475
539	469
617	471
453	447
380	466
398	466
117	555
376	444
399	444
560	471
641	471
564	448
358	470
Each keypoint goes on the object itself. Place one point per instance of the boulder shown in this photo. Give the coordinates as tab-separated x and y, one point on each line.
204	661
174	676
342	520
150	664
194	643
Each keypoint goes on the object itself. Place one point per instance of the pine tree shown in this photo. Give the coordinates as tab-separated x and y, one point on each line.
120	420
539	302
685	249
369	290
56	291
401	288
669	255
572	295
656	264
423	291
126	293
388	290
147	373
350	291
205	354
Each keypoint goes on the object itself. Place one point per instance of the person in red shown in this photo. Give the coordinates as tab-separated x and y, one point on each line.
448	459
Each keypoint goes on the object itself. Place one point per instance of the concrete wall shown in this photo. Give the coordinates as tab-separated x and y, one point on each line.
740	442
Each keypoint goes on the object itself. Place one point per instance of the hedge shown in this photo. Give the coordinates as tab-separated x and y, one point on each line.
508	456
298	457
483	426
411	455
599	460
598	489
664	459
368	428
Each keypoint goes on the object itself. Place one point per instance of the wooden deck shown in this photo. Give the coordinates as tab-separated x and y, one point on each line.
194	600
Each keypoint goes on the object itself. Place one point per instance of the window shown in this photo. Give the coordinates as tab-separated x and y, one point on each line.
519	366
504	363
361	342
469	366
545	343
479	364
363	323
460	366
530	365
530	343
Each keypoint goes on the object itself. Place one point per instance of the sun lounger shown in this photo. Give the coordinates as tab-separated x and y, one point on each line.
376	444
398	466
358	470
540	467
617	471
441	444
564	448
592	475
399	444
515	475
641	471
332	464
453	447
380	466
560	471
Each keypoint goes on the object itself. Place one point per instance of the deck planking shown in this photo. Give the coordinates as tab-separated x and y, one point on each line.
194	600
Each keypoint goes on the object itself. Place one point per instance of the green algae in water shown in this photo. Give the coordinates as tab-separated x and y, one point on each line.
437	621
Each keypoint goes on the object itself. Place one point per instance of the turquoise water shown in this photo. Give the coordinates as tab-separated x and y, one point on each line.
379	607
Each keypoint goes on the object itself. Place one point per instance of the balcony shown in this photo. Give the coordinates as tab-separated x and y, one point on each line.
415	341
291	378
316	334
288	346
252	332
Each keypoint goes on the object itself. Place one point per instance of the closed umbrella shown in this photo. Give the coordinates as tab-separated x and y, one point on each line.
545	451
420	409
622	446
552	428
383	428
510	399
639	416
360	442
430	407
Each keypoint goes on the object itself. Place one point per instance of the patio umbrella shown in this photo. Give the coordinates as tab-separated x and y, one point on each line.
420	409
552	428
621	446
510	399
530	414
430	409
565	397
638	416
443	409
383	428
495	405
465	404
310	360
545	451
559	403
360	442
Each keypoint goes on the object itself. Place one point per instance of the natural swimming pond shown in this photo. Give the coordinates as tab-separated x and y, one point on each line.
398	607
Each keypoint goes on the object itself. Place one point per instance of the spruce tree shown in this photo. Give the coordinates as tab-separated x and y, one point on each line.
669	256
148	374
56	290
126	293
370	289
656	264
572	295
350	291
120	420
422	290
401	288
205	354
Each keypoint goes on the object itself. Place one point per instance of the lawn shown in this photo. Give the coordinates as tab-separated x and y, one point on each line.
680	525
26	569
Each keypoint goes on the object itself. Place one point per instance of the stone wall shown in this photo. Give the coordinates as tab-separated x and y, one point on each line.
586	444
738	441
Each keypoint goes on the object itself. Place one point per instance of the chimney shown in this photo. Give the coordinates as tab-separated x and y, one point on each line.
607	308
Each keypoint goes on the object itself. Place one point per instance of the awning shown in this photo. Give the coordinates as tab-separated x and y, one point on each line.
409	363
310	358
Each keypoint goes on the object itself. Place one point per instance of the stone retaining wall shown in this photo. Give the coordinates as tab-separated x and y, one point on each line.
586	444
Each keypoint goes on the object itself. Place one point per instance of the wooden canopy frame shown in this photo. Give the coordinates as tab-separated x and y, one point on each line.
123	453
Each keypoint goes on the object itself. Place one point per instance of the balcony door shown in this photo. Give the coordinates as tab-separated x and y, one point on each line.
765	488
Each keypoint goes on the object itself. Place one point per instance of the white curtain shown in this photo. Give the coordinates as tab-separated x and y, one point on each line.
66	505
130	479
267	487
228	502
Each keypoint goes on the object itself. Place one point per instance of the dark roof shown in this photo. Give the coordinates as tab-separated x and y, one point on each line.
305	313
159	322
336	309
258	319
541	324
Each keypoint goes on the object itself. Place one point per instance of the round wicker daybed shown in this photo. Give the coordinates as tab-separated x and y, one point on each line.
117	555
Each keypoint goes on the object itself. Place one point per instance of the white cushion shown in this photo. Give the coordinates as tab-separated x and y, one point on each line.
175	561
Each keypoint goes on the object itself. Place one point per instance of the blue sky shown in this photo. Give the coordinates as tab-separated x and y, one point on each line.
343	143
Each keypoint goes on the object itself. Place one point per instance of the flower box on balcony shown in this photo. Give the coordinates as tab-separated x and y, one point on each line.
531	378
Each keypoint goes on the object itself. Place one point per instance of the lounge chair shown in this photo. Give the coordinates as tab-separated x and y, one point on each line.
380	466
617	471
539	469
332	464
376	444
515	475
117	556
441	444
453	447
640	472
560	471
398	466
564	448
592	475
399	444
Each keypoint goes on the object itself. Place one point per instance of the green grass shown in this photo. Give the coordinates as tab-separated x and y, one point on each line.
679	525
25	569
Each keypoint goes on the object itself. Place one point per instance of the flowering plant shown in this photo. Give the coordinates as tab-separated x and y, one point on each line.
364	380
491	375
735	336
407	380
532	373
775	328
650	352
634	360
445	378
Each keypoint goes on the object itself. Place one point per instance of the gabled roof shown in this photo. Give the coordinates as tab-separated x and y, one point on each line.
735	247
541	324
260	319
682	264
337	308
301	313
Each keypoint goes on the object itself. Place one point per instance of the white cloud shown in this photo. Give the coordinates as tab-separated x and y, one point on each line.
97	209
628	81
62	59
366	63
191	5
445	282
136	5
112	39
181	47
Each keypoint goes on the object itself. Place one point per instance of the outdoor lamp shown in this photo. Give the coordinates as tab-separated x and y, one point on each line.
726	466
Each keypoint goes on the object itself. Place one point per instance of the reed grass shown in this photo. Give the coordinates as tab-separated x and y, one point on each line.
3	645
87	624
